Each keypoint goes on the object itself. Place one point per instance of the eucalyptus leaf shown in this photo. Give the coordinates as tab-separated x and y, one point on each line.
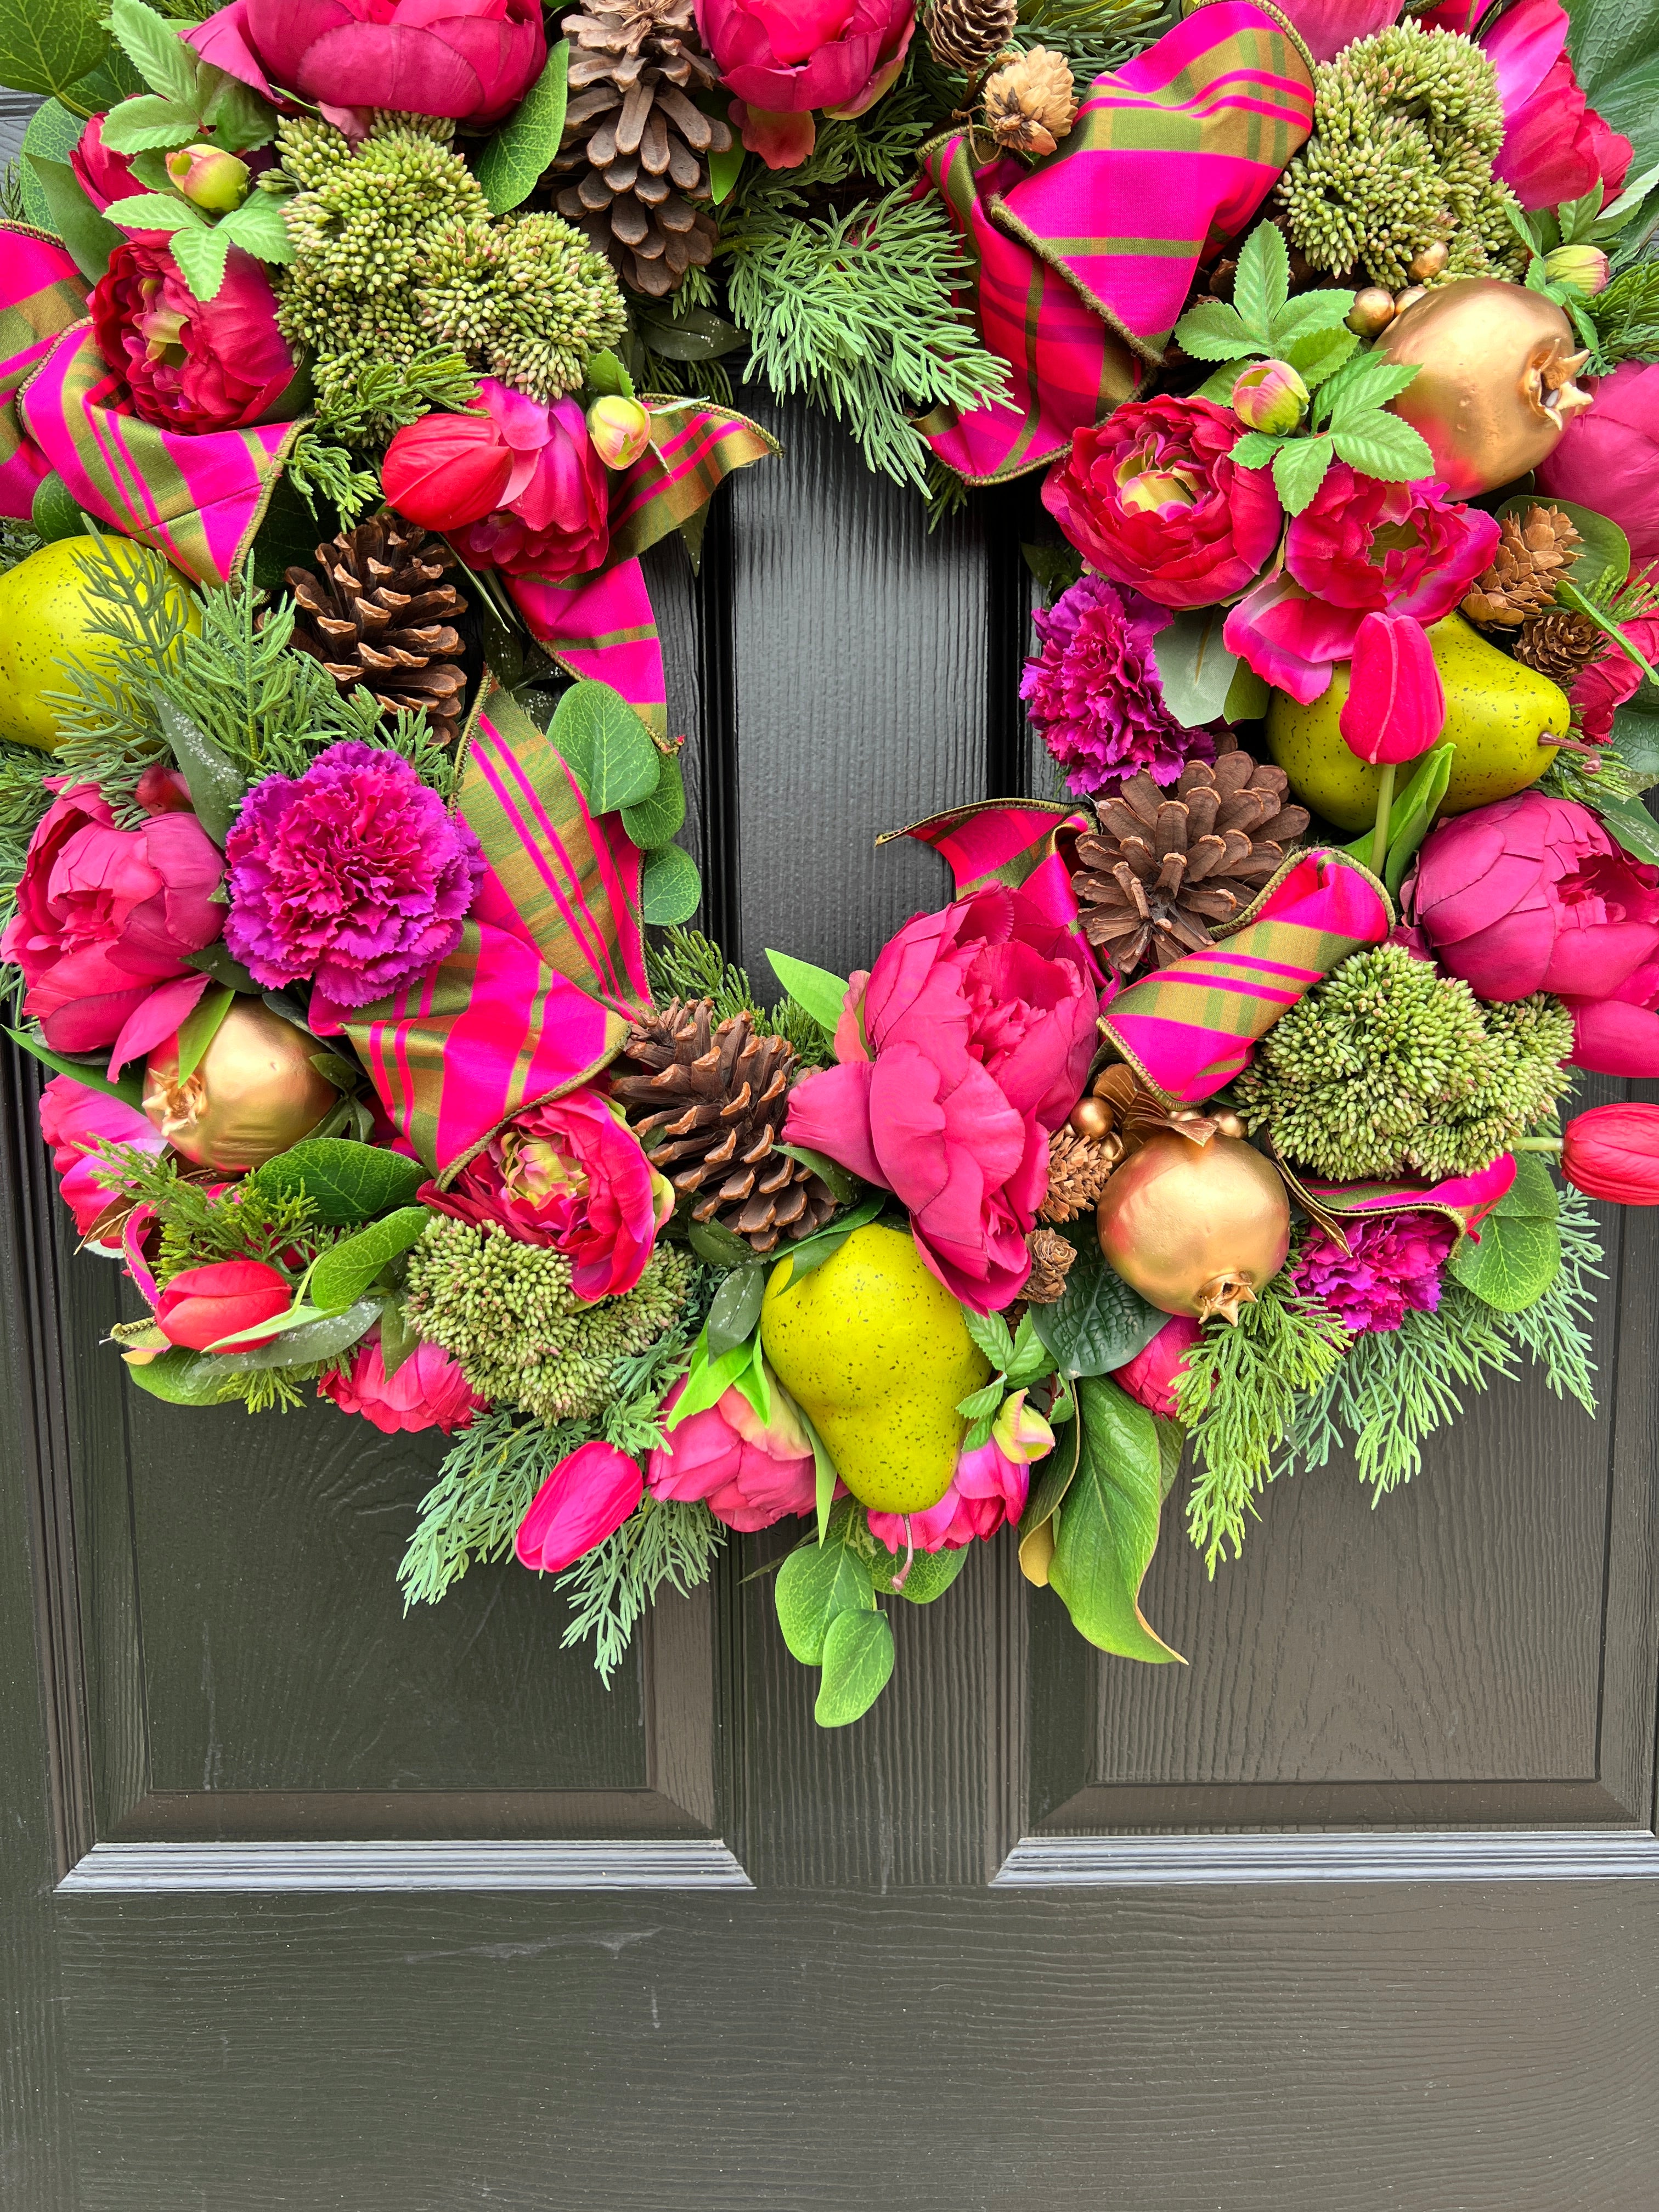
182	1378
1098	1323
931	1574
815	1586
608	748
1109	1530
1195	669
736	1309
511	164
1518	1256
303	1348
345	1181
822	993
349	1268
659	817
669	887
858	1665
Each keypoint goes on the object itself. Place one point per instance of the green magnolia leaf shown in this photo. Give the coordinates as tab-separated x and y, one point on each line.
1109	1530
201	1025
858	1665
346	1270
182	1378
258	227
90	238
1311	314
302	1348
1318	354
1056	568
607	746
815	1586
1248	696
717	1245
1262	284
217	788
201	256
843	1185
1215	332
736	1310
1383	447
669	887
511	164
822	993
1632	825
150	125
344	1182
1171	1443
658	819
214	960
724	169
1195	669
1098	1323
931	1575
1519	1254
45	45
399	1339
129	1088
1299	470
153	45
1602	564
990	1332
1636	737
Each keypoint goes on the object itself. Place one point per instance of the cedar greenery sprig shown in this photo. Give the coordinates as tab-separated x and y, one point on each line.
681	963
667	1540
484	1487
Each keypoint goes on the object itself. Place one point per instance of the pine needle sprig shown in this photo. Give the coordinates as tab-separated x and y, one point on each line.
110	730
667	1541
1094	35
484	1487
684	965
385	396
1625	315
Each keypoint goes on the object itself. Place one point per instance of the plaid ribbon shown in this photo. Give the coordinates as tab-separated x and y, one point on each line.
601	626
42	292
1081	265
693	448
538	994
1030	845
1187	1029
1465	1199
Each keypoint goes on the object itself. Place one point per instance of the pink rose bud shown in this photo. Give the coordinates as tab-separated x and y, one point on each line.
1270	396
620	430
1585	267
1396	704
1020	1432
209	178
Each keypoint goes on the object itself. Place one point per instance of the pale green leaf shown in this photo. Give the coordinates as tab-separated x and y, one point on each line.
1318	356
1213	332
858	1665
1109	1530
1519	1252
155	48
1362	386
607	747
349	1268
815	1586
669	887
1195	669
659	818
1383	447
511	164
154	211
1262	284
150	123
1299	470
201	256
258	227
822	993
1308	313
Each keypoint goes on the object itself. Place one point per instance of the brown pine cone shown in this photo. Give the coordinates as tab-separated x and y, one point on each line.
708	1103
1166	869
1559	643
382	614
1078	1171
1052	1256
635	141
1031	104
1532	552
965	35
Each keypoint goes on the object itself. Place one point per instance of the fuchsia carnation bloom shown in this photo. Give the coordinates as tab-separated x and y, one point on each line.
1394	1265
569	1173
1607	457
1093	692
552	516
749	1472
980	1021
428	1391
987	1490
75	1120
104	914
588	1496
354	877
189	364
783	57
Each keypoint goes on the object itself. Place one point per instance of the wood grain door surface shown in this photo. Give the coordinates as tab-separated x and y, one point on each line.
306	1905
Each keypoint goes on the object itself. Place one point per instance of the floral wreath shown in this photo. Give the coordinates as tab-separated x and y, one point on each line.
1211	1122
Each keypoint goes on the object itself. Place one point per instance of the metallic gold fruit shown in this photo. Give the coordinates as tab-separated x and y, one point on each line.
254	1094
1196	1229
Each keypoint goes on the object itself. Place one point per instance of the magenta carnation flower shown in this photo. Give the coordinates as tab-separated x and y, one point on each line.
1093	691
352	877
1395	1263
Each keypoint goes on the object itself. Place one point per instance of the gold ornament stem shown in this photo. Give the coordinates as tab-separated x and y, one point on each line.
1384	809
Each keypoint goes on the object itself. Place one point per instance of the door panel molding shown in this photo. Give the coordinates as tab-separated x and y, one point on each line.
1375	1855
155	1869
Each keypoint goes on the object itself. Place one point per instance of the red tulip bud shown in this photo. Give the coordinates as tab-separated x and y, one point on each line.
588	1496
448	470
1613	1152
202	1305
1396	704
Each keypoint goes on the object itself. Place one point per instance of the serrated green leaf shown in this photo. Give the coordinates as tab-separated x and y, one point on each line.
1636	738
1262	284
990	1332
344	1182
150	125
736	1310
815	1586
1109	1530
1310	312
154	211
1318	357
129	1088
1218	386
201	256
511	165
1364	385
217	788
233	115
153	45
258	227
1299	470
1098	1323
1612	46
658	819
607	747
822	993
200	1026
1214	332
607	377
669	887
979	1403
1032	1357
349	1268
858	1665
1519	1252
1255	450
45	45
88	236
1195	669
1383	447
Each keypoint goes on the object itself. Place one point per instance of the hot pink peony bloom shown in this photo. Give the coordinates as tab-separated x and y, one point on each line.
1093	691
202	1305
783	57
748	1472
354	877
75	1120
1150	497
588	1497
1150	1378
1396	704
1394	1267
428	1391
553	516
981	1022
1608	458
102	174
189	364
1555	146
470	59
1358	547
569	1173
987	1490
104	914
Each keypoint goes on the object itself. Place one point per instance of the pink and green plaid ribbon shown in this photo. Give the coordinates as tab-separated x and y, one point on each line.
42	293
601	626
694	447
1081	265
1031	845
1464	1199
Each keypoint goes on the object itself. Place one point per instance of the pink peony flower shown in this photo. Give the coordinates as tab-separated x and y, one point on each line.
428	1391
750	1472
102	174
1608	458
1358	547
189	364
353	876
1151	497
1093	691
202	1305
569	1173
1151	1378
471	59
1601	688
1393	1266
987	1490
588	1496
783	57
104	914
552	519
75	1120
980	1022
1555	146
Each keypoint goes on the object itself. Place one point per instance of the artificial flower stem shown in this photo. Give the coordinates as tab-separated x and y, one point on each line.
1384	810
1571	596
1535	1144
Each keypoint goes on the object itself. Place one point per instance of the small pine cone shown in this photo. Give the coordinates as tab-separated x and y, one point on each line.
1165	869
1078	1171
381	614
708	1103
1532	552
1559	643
1051	1260
1030	105
965	35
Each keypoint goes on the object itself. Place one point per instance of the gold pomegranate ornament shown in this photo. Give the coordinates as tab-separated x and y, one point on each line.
254	1093
1195	1228
1494	386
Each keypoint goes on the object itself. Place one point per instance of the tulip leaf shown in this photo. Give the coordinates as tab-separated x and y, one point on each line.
1299	470
858	1665
217	787
201	1025
658	819
345	1181
511	164
1519	1252
931	1575
304	1344
1195	669
822	994
736	1309
670	889
129	1088
400	1340
843	1185
45	45
1109	1530
1097	1322
183	1378
708	1378
346	1270
814	1584
88	236
724	169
